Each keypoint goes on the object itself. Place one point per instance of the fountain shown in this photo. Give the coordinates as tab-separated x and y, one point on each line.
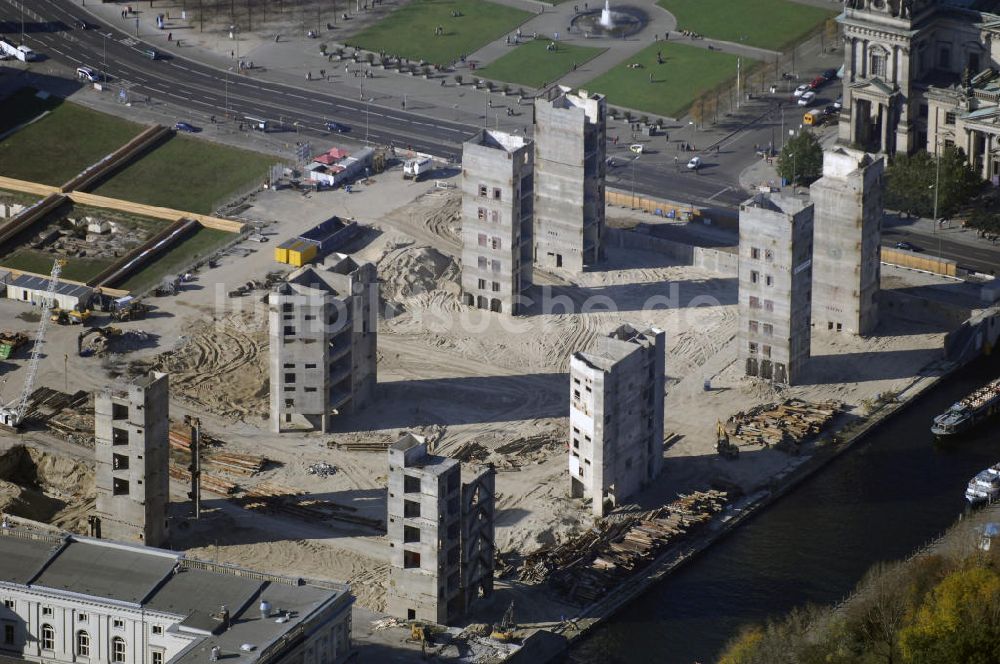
619	22
606	21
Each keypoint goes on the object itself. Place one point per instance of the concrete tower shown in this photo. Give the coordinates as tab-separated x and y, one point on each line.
441	534
616	416
131	428
569	179
775	280
323	343
497	193
847	234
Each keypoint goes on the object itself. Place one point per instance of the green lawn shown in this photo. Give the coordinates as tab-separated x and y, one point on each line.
409	30
24	105
687	72
62	144
188	174
530	64
771	24
40	262
203	243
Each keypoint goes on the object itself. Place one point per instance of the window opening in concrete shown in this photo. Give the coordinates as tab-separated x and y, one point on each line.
411	509
119	487
119	461
411	484
119	436
411	535
411	559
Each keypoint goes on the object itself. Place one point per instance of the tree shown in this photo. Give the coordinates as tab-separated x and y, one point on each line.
698	112
801	160
959	621
911	183
880	611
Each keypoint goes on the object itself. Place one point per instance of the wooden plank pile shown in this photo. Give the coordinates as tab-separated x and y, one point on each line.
209	482
587	566
307	509
360	445
246	465
791	422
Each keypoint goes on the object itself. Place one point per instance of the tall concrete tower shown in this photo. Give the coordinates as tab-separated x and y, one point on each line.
847	234
569	179
131	429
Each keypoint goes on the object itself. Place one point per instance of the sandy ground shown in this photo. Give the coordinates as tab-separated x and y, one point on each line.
462	376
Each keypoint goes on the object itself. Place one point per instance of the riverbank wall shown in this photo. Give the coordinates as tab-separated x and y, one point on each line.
588	618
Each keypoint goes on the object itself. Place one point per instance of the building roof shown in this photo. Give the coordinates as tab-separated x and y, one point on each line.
41	284
124	574
22	558
169	583
618	345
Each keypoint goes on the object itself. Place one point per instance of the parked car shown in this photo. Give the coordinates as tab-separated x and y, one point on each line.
694	164
257	237
829	74
807	98
184	126
838	102
817	83
88	74
801	89
830	109
907	246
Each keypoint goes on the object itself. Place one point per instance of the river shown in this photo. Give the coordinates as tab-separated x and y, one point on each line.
879	501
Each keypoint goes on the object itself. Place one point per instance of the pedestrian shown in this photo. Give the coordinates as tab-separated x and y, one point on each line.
232	55
170	36
650	77
666	36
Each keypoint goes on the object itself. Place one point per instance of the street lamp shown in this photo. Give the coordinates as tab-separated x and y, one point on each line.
367	110
633	180
228	69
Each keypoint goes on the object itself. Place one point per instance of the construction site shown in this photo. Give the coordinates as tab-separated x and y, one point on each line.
204	417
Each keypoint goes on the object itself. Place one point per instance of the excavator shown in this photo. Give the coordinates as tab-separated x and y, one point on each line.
725	447
503	631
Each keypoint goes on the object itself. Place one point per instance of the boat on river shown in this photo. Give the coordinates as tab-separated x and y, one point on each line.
985	486
970	411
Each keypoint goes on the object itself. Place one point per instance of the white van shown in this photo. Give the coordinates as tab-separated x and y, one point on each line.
88	74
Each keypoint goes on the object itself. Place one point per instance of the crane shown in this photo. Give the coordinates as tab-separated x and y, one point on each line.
13	413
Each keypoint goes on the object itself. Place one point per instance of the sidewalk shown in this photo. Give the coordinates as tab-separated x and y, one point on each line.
293	58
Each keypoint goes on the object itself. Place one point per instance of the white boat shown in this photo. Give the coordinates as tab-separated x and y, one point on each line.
985	486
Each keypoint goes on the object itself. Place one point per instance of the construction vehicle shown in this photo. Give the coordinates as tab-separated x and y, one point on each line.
10	342
99	344
71	317
504	630
725	447
12	415
414	169
132	311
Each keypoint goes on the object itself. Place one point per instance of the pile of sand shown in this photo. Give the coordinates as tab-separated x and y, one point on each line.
407	271
48	488
221	368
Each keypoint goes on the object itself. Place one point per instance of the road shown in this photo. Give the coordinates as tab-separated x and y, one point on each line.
205	90
984	258
209	91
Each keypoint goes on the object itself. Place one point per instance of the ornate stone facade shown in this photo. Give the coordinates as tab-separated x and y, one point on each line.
922	74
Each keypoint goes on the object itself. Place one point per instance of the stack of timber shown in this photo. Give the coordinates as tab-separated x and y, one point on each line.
307	509
234	463
791	422
360	445
209	482
589	565
69	416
